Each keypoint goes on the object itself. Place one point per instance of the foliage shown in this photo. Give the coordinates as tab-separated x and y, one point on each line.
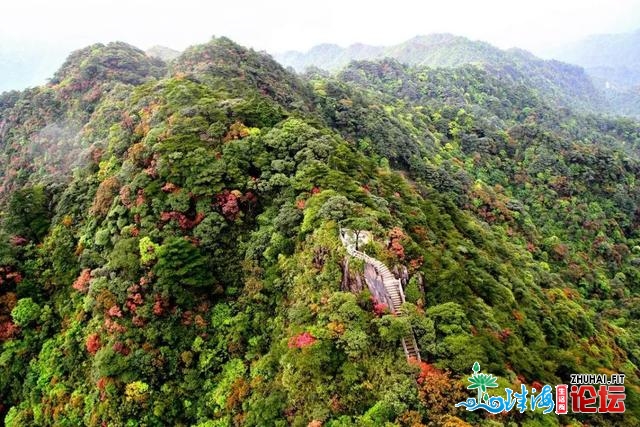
25	312
188	269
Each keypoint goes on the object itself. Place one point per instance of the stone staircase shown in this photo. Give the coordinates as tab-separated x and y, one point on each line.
394	296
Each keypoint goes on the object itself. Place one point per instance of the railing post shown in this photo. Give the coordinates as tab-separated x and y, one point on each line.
400	289
404	347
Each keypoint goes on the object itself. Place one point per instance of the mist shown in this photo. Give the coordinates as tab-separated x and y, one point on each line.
36	35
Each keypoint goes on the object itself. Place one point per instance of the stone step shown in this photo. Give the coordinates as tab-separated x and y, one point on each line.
393	288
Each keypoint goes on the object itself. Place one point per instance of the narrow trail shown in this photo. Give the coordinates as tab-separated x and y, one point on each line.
391	293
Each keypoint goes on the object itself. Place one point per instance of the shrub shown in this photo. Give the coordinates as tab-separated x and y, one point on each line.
25	312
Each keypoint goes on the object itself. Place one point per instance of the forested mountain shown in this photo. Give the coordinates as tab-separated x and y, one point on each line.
606	51
436	50
163	52
613	62
604	88
187	268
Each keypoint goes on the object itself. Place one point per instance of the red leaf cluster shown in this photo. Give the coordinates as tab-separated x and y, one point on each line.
96	155
228	202
81	284
302	340
93	343
134	298
416	263
138	321
152	170
102	383
395	236
125	196
170	187
250	197
133	303
114	311
114	327
380	309
18	240
426	371
159	306
140	197
187	318
183	221
119	347
127	121
8	330
7	275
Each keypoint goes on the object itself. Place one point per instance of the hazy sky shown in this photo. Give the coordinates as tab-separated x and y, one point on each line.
294	24
36	35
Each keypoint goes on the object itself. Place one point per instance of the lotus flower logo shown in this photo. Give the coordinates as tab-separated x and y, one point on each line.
481	382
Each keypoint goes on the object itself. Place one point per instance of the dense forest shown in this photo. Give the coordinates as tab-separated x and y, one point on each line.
170	250
607	84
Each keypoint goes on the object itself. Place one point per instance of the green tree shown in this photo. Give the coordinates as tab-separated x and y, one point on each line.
28	213
25	312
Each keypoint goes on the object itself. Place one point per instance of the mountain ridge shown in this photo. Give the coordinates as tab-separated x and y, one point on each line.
613	62
190	270
566	83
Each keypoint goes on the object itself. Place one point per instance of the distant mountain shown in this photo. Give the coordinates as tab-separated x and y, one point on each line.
165	53
613	63
613	60
604	50
57	111
439	50
564	84
171	251
329	56
30	65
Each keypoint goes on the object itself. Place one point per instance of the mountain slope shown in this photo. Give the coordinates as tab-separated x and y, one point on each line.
606	50
191	272
41	128
613	62
563	84
162	52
